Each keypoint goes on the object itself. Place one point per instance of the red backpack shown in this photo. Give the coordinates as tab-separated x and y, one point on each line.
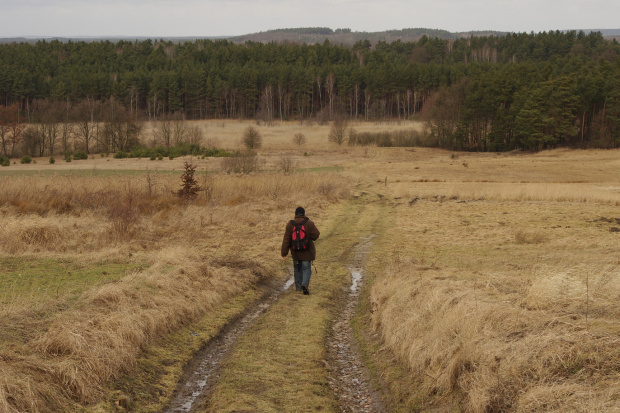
299	236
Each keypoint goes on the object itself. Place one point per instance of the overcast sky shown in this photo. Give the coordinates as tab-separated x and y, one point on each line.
235	17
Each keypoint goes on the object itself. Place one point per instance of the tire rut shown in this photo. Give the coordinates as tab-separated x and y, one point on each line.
349	378
202	372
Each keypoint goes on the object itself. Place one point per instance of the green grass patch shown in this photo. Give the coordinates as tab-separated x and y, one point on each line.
32	291
23	279
321	169
161	152
83	173
79	173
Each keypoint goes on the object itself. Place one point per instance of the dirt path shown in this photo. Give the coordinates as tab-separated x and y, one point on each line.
253	366
349	377
202	372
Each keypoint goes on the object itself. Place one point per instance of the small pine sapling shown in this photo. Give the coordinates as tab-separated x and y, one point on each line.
189	187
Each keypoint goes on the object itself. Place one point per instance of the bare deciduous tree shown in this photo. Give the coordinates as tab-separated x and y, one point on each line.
338	131
299	139
195	135
252	139
179	131
162	133
11	127
84	116
31	141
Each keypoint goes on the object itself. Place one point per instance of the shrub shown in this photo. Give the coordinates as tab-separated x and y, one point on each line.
286	164
215	152
52	160
4	161
299	139
241	163
405	138
78	155
123	213
252	139
67	158
120	155
25	159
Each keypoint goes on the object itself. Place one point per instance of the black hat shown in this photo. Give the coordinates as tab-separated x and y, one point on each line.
300	211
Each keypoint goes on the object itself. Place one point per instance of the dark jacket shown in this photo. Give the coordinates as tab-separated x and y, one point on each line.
313	234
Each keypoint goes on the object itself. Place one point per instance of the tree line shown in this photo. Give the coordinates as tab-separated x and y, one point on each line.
528	91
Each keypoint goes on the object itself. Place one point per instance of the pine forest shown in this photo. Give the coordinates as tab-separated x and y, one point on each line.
496	93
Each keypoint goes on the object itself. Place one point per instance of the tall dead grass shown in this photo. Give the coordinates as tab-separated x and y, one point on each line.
535	352
492	321
197	255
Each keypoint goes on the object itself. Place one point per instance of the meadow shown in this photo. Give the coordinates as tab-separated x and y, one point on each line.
491	283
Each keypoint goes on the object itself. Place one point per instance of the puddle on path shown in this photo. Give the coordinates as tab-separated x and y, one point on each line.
349	377
202	372
356	279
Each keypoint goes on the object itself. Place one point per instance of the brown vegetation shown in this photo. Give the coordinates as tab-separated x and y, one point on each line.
64	349
498	292
500	295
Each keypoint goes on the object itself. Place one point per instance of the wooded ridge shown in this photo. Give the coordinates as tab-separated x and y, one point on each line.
519	90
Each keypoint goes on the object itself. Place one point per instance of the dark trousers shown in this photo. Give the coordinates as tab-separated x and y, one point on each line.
302	272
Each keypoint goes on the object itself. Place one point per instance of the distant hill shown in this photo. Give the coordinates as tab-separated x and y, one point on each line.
114	39
310	35
347	37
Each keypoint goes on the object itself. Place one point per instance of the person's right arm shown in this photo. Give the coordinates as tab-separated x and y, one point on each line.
286	241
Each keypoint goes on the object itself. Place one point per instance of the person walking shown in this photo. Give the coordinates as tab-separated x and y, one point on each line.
299	237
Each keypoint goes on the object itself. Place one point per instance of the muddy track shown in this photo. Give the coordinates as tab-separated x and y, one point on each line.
349	378
201	374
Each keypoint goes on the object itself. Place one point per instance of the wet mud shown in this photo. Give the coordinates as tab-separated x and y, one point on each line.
349	378
201	374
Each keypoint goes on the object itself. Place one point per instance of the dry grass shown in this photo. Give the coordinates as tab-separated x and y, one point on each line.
460	337
499	293
65	349
504	305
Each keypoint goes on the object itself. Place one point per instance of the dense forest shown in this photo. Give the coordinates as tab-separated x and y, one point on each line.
526	91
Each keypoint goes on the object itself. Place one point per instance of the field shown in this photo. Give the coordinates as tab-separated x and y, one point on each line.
492	281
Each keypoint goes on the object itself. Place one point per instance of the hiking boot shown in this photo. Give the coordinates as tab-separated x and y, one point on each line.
304	288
